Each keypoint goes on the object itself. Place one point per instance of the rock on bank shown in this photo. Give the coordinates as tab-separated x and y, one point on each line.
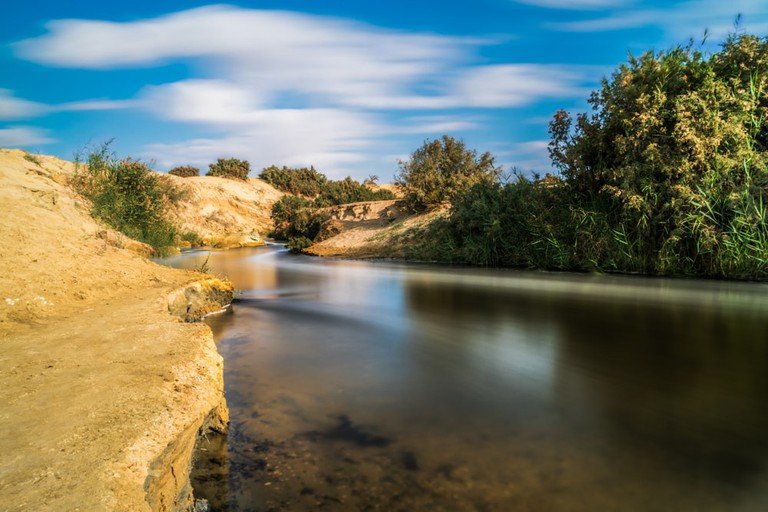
102	391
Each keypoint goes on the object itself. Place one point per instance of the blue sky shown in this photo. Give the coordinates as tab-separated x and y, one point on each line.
348	86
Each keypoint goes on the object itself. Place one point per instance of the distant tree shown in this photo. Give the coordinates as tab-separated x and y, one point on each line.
231	168
301	181
440	169
185	171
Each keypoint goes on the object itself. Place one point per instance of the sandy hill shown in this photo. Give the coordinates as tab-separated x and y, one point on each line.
102	391
224	212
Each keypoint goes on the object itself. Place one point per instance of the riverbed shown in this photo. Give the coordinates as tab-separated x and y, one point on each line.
382	386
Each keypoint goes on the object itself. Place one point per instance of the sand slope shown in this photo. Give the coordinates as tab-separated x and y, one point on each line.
102	391
374	229
224	212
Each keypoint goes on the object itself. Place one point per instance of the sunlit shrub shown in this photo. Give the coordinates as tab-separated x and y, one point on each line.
127	196
185	171
231	168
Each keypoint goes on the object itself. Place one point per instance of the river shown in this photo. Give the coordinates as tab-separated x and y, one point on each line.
382	386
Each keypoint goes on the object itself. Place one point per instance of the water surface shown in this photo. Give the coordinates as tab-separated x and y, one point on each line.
379	386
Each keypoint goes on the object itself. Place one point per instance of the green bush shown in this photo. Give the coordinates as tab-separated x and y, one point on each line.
667	175
441	169
673	162
295	217
299	218
300	181
231	168
298	244
192	238
128	196
348	190
185	171
310	183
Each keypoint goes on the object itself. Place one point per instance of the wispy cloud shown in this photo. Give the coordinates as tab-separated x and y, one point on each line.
576	4
15	108
293	87
12	107
528	156
681	21
23	136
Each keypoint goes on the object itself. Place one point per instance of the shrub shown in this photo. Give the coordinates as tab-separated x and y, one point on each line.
441	169
29	157
185	171
128	196
310	183
298	244
667	175
231	168
192	238
297	221
672	163
300	181
299	218
349	190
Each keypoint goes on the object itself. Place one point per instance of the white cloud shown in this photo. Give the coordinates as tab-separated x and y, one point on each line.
12	108
263	56
17	108
91	105
576	4
23	136
332	140
683	20
285	87
514	85
526	156
436	125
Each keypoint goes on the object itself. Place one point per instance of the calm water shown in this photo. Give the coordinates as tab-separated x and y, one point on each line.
378	386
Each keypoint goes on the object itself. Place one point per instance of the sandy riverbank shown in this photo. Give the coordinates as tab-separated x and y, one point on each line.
373	229
103	392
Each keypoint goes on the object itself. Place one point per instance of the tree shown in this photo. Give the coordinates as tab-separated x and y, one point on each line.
440	169
672	162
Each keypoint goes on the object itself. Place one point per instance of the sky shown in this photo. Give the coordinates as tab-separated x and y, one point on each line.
349	86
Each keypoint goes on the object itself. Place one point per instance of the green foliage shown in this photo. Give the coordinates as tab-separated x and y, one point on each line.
349	191
310	183
667	175
231	168
298	244
128	196
192	238
441	169
300	181
29	157
299	218
295	217
673	161
185	171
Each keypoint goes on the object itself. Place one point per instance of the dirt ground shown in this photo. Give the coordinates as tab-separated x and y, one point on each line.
375	229
98	382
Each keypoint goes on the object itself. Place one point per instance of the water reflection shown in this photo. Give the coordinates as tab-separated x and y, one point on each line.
357	386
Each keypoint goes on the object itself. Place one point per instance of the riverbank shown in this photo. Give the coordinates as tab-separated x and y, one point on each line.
103	391
373	229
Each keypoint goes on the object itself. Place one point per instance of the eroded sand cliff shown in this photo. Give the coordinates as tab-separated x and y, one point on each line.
103	391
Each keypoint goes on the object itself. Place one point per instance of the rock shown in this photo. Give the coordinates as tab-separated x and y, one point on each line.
196	300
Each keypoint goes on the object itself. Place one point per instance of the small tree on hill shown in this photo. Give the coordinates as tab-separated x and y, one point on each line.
231	168
185	171
440	169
